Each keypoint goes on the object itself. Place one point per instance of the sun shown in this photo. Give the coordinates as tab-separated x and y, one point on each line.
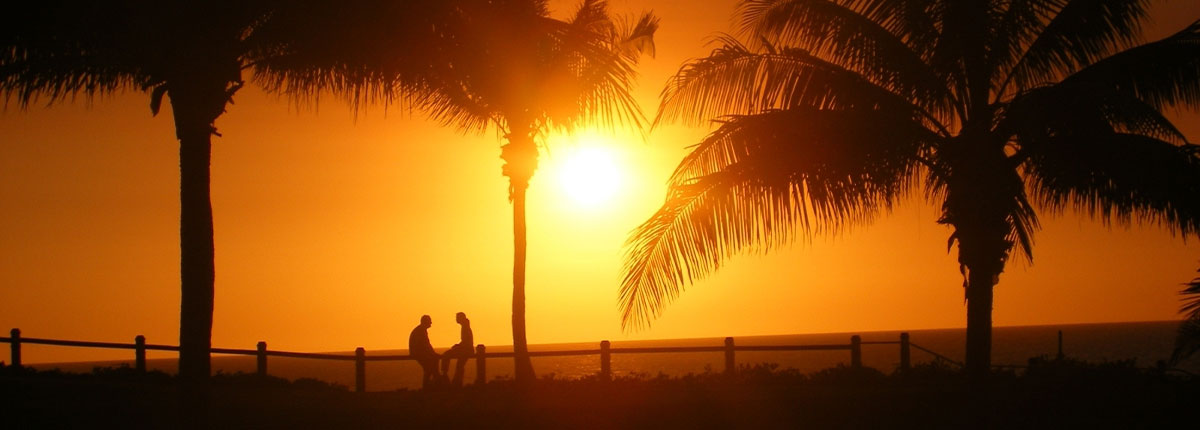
589	172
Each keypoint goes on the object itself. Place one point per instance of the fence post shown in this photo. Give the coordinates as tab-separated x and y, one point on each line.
15	343
262	358
855	351
139	353
729	367
480	365
605	360
905	355
1060	353
360	370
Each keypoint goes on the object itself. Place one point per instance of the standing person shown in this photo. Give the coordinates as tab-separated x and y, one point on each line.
462	351
421	350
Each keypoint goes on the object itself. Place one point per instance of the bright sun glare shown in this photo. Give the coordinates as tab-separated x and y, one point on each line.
589	172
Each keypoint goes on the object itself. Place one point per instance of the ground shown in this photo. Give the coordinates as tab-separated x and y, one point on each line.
1049	394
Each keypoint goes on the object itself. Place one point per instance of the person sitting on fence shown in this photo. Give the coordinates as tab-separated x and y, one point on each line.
462	351
421	350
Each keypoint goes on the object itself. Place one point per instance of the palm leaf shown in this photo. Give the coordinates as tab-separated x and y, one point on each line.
734	80
1117	177
1162	73
367	52
61	49
1082	32
1070	106
596	62
552	73
758	181
1187	339
851	40
1017	28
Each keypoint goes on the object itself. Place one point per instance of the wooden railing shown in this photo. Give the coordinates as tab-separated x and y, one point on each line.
360	357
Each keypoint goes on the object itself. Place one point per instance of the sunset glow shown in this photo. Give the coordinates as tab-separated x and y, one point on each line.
339	227
589	173
645	214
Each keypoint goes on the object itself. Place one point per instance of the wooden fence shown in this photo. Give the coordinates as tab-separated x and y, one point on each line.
360	357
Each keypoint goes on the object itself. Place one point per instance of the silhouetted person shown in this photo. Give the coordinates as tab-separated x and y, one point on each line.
462	350
421	350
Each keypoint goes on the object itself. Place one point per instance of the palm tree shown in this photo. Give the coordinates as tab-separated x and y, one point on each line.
990	107
1187	339
194	53
511	66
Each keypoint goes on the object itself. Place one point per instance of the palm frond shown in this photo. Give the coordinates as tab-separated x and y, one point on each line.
856	40
734	80
639	39
507	67
597	65
367	52
912	21
1117	177
757	182
1071	106
58	50
1019	24
1082	32
1187	338
1162	73
916	22
1191	304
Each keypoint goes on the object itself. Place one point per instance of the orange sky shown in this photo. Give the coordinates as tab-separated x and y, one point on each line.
334	232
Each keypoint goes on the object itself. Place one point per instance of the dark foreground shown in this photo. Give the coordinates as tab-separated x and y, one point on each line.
1049	394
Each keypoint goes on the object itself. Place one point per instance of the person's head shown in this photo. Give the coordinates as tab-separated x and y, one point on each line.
426	321
460	317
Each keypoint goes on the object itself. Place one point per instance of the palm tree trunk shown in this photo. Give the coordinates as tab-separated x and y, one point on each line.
196	269
979	323
193	127
520	157
982	190
523	366
196	256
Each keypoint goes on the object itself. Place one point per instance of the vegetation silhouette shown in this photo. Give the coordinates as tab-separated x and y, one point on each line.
196	54
509	65
1187	340
839	109
1048	394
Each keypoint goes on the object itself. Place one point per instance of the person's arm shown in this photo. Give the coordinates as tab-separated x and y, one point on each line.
429	347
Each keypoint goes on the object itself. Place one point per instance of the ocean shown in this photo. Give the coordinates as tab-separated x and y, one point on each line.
1144	342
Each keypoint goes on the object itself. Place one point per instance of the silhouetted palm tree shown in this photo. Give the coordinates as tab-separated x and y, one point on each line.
990	107
511	66
195	53
1187	339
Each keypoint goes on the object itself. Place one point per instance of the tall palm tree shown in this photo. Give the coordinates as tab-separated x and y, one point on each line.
991	107
195	54
511	66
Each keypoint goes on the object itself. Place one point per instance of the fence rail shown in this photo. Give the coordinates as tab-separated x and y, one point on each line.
360	357
940	357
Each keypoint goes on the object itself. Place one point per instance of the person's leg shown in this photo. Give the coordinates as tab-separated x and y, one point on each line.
458	371
428	373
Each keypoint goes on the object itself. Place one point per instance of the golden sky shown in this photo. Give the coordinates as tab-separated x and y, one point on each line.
335	231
